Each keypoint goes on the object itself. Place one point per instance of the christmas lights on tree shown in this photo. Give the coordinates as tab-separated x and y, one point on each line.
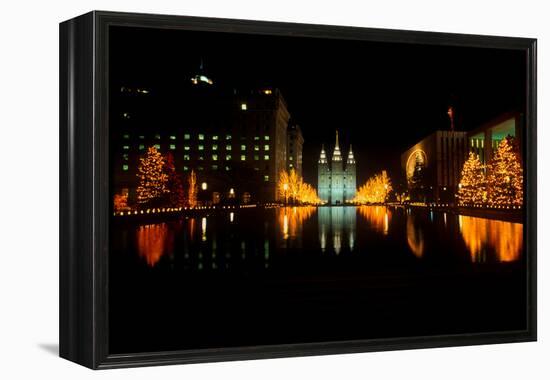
375	190
174	183
193	189
152	178
505	175
472	189
291	187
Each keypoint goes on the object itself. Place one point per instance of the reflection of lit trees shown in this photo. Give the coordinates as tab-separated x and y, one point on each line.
415	237
377	216
505	238
375	190
292	187
291	219
153	241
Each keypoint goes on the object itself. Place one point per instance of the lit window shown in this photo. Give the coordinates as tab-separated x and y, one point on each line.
291	166
266	147
267	91
214	147
215	157
185	168
187	136
256	148
141	146
126	147
201	137
244	106
125	167
204	186
172	137
201	147
256	138
266	178
243	157
266	157
172	146
228	147
215	137
186	157
228	157
126	136
228	137
266	138
141	137
256	157
291	158
227	168
157	146
201	158
157	136
126	115
243	147
186	147
125	156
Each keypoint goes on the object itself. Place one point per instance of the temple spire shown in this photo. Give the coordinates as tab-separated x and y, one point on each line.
336	155
351	159
323	157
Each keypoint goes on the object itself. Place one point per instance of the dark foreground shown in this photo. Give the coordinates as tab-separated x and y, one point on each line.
254	277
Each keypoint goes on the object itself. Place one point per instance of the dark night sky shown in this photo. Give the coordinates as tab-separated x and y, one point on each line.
382	97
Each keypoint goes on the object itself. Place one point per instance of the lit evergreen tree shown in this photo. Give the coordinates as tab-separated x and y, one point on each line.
193	189
505	175
472	188
174	184
152	178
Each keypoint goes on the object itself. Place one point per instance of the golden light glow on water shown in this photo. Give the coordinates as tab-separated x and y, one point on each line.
203	229
377	216
291	220
415	237
153	240
481	235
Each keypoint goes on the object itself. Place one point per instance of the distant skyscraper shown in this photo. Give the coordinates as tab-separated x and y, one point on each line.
336	184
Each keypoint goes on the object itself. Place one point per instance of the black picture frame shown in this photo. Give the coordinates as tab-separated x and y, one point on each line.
84	188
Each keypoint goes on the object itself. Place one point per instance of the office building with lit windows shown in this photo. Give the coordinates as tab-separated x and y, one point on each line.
295	143
236	141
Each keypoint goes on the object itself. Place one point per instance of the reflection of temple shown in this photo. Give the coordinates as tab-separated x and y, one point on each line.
337	228
336	184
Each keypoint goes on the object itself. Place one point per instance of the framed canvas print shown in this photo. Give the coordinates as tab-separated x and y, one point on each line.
238	189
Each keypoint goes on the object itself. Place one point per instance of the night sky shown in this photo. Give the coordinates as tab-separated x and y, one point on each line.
382	97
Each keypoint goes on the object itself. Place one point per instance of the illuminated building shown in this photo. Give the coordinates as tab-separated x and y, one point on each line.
432	167
236	141
336	184
295	143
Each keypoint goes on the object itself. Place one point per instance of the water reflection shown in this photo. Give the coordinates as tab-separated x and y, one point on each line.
415	236
378	217
481	235
291	220
153	241
340	224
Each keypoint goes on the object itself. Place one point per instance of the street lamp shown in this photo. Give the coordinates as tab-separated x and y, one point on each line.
204	186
